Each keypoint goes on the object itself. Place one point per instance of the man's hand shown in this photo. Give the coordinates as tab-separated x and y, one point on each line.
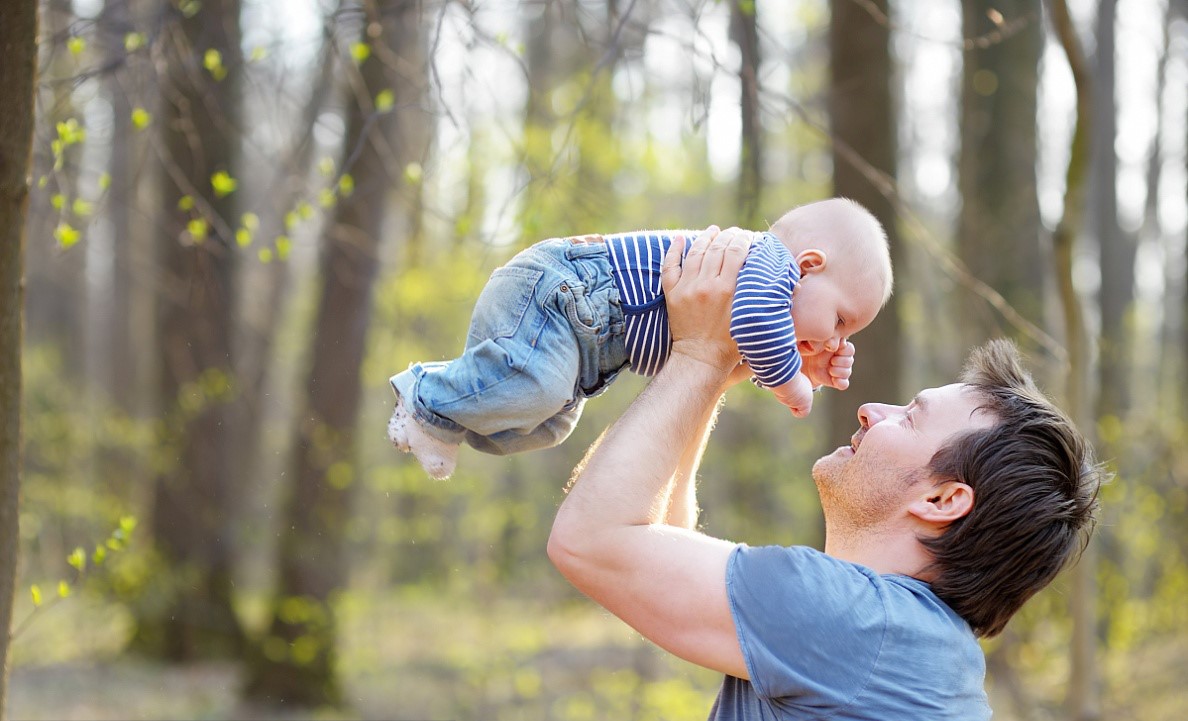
830	369
699	293
796	394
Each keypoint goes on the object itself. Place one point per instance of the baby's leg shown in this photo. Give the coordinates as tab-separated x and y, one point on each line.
500	397
518	372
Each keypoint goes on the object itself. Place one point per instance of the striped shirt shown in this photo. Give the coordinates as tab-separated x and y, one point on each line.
760	316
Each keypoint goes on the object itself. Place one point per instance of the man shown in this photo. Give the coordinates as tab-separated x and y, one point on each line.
942	517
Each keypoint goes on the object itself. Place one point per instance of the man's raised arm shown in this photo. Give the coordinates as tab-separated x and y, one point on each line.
610	537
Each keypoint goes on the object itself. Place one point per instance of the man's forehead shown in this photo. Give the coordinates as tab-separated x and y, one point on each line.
957	402
951	391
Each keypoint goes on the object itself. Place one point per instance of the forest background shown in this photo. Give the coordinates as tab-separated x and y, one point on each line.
244	215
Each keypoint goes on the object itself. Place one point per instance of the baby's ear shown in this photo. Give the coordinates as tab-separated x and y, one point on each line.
812	260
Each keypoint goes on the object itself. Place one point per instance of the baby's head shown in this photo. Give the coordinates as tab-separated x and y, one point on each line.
845	269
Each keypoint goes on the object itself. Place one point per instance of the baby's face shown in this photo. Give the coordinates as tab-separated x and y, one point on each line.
831	305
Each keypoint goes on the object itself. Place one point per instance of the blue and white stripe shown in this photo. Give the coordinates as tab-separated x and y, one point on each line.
761	319
761	315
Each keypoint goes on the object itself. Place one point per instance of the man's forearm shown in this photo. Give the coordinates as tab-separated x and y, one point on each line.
628	477
682	495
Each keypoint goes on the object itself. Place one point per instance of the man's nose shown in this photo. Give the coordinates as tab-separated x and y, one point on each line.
870	414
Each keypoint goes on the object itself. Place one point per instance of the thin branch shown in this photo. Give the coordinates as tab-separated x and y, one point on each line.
1004	30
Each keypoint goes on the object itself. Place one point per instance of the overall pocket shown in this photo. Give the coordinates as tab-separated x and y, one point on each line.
579	308
501	306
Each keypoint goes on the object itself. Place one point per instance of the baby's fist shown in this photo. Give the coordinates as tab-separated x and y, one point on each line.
797	394
832	369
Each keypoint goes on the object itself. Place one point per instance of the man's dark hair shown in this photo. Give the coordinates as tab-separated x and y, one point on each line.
1035	489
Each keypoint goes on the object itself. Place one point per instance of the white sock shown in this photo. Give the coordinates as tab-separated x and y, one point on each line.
437	457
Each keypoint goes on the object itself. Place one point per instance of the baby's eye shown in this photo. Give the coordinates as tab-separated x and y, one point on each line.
840	322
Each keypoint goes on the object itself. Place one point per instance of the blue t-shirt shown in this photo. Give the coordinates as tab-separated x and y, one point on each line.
829	639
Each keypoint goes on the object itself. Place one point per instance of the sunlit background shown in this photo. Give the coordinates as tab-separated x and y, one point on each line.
424	143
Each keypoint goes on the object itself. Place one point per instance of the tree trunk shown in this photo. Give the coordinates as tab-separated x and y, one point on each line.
192	505
296	664
1117	247
266	286
18	71
1182	9
1083	702
570	189
862	119
998	234
744	30
1152	230
123	359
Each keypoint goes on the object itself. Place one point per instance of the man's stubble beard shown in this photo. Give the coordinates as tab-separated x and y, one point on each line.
854	496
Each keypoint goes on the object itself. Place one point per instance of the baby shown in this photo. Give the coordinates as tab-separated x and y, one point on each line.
559	322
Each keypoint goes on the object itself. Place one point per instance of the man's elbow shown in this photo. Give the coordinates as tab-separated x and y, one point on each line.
565	549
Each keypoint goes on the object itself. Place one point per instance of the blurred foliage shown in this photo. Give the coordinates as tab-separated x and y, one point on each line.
453	610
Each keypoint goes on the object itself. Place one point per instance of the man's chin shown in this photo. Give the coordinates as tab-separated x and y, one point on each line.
825	466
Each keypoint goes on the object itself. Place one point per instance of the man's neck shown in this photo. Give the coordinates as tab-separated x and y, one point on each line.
882	550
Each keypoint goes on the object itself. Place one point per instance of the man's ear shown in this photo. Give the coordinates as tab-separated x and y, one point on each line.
812	260
943	503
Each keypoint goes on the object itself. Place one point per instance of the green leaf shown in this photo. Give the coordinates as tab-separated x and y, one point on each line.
185	203
42	181
99	556
141	118
128	524
304	210
134	42
212	60
197	229
189	8
251	221
71	132
66	235
35	592
223	184
63	589
385	100
360	52
243	237
326	166
283	247
57	201
346	185
291	220
258	53
327	198
81	208
104	181
76	45
413	173
77	558
265	255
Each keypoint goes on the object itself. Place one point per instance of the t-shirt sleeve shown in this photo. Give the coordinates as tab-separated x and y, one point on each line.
761	313
810	626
